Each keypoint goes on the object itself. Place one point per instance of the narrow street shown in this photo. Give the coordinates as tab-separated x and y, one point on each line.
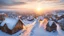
28	29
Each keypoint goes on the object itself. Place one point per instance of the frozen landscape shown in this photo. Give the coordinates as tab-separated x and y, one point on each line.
34	30
37	27
31	17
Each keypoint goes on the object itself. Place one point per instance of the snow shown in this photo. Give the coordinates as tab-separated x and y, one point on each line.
60	14
40	17
29	27
61	21
50	23
0	21
30	18
43	23
16	34
10	22
26	22
40	31
60	32
53	17
33	29
54	13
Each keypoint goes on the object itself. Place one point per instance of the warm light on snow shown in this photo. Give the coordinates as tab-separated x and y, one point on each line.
43	23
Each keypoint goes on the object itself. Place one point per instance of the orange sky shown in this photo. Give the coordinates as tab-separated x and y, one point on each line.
44	5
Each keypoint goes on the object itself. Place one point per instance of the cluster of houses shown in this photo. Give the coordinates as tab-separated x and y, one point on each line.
53	20
10	25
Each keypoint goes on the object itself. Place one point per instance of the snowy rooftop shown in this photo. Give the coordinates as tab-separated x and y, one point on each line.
61	21
50	23
10	22
35	30
40	17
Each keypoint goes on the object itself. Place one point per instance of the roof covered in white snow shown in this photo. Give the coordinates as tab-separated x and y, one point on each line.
10	22
50	22
61	21
40	17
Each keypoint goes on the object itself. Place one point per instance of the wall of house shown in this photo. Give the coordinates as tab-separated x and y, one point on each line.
5	29
18	27
51	28
1	17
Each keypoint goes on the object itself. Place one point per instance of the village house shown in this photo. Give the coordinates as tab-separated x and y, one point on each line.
61	21
51	26
2	18
30	18
11	25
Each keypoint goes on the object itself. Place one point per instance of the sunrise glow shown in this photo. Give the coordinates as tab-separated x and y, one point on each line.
39	9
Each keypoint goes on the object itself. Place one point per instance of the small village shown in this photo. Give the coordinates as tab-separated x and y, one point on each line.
13	24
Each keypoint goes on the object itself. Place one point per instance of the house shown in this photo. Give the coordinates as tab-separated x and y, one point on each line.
61	21
40	18
1	17
30	18
11	25
51	26
62	16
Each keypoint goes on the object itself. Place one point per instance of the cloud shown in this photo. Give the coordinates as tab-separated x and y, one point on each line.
5	2
18	1
11	2
30	4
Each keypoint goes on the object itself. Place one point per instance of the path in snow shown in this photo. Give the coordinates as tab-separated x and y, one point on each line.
28	29
5	34
60	32
43	23
36	29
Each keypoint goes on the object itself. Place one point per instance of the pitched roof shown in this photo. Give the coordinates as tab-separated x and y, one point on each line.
61	21
10	22
50	22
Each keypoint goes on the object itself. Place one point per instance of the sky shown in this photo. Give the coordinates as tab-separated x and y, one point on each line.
18	5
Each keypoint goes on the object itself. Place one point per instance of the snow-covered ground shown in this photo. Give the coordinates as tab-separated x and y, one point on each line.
40	31
26	22
33	28
5	34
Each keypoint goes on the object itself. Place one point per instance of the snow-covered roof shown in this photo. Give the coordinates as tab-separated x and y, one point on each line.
0	21
30	17
59	15
53	17
37	21
40	17
54	13
61	21
10	22
50	22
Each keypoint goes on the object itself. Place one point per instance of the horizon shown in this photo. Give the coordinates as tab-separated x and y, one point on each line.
31	5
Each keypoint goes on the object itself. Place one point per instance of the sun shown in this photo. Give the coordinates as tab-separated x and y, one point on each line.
38	9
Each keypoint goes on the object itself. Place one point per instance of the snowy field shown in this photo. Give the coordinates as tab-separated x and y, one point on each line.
33	28
36	28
